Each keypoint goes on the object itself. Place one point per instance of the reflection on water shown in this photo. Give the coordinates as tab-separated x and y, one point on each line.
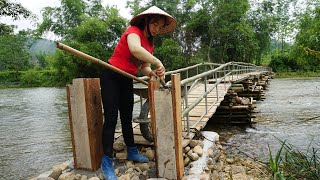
34	131
290	112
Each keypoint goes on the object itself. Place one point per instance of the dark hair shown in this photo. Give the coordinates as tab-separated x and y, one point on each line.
142	22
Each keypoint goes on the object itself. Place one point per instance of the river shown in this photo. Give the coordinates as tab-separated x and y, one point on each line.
289	113
34	127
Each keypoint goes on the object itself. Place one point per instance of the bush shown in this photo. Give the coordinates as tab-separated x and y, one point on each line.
9	77
283	63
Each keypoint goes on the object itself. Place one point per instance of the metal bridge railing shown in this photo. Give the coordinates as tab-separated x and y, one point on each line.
205	73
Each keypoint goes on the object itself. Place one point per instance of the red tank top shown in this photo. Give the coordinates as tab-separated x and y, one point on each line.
122	58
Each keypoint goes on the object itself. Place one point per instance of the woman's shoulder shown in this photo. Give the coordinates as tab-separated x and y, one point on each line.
133	29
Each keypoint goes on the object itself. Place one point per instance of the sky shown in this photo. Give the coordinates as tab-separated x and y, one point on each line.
35	6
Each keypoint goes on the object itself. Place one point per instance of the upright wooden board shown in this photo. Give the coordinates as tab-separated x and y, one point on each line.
165	134
85	117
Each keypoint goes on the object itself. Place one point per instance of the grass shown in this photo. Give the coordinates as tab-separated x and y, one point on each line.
291	163
296	74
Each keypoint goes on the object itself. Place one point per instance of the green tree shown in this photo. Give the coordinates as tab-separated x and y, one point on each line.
14	10
13	53
308	37
86	26
262	19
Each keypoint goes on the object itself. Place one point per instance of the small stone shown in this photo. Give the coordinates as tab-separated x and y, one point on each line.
94	178
130	164
201	144
211	166
78	176
55	173
230	160
119	146
210	161
145	173
84	177
45	178
193	143
198	150
135	177
190	152
101	176
64	176
150	154
194	156
143	166
129	170
124	177
138	169
186	149
121	155
186	161
227	169
220	166
210	153
61	167
215	175
238	172
117	171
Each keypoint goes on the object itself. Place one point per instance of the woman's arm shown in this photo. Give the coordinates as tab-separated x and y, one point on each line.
134	44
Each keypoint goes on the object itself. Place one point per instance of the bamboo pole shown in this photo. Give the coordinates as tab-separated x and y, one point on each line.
97	61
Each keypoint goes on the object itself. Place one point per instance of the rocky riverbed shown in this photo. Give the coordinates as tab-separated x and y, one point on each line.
204	158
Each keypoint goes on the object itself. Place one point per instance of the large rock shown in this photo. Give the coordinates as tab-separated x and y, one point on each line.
198	149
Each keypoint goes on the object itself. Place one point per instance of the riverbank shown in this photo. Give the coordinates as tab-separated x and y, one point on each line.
296	74
204	158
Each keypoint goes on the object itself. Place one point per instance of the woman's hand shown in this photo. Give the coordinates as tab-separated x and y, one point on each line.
160	70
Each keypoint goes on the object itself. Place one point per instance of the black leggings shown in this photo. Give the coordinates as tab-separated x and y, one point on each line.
117	95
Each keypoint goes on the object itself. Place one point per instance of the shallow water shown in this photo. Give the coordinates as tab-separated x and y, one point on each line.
290	112
34	127
34	131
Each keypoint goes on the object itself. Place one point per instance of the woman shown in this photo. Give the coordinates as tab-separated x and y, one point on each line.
133	51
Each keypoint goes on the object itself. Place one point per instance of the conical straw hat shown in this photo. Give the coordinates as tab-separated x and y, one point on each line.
171	23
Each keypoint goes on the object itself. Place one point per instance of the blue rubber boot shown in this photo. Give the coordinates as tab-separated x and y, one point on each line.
107	168
133	155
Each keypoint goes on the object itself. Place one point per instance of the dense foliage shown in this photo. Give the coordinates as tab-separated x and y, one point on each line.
268	32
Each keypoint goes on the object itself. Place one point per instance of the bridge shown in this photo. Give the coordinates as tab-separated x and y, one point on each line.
206	90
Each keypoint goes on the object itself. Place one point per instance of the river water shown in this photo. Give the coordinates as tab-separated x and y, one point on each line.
34	126
290	112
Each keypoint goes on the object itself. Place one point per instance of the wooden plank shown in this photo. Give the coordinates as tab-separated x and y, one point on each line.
165	134
71	126
94	120
176	105
79	125
153	85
